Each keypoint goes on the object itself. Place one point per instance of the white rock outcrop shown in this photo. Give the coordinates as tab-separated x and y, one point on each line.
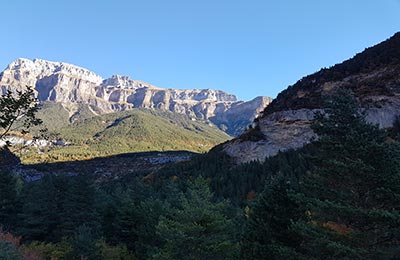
70	84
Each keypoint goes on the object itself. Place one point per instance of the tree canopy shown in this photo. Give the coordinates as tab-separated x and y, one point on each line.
18	107
347	204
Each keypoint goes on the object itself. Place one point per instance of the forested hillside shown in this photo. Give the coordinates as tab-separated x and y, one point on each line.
88	136
337	198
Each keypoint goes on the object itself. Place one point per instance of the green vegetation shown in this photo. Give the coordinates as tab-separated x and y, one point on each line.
20	107
72	218
338	198
197	229
121	132
346	207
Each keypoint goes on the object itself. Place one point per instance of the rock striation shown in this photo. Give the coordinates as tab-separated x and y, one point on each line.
70	84
373	76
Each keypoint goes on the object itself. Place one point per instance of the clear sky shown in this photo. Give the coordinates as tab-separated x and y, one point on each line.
248	48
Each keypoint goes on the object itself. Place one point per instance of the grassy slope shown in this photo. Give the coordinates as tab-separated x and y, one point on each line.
121	132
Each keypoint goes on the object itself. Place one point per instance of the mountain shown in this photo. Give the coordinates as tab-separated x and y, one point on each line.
70	85
373	76
137	130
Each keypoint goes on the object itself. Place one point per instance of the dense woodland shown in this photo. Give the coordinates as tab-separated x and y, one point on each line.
337	198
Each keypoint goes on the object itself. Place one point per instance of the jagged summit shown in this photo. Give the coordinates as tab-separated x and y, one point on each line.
119	81
41	68
69	84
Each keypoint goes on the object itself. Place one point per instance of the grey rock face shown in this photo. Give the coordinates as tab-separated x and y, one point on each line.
374	78
282	131
290	129
70	84
236	118
383	110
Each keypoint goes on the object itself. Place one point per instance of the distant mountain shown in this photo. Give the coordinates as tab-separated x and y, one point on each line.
71	85
374	77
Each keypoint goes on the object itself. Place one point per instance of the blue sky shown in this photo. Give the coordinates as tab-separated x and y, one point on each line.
248	48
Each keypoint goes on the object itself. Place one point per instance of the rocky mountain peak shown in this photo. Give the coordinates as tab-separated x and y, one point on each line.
119	81
69	84
24	72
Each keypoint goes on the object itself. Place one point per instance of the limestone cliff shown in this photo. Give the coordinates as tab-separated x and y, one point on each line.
374	77
70	84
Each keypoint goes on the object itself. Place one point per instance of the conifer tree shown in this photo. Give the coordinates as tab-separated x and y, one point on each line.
351	199
8	201
39	214
347	204
83	244
268	233
78	206
198	229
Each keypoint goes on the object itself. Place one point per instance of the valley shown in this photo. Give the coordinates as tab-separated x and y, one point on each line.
142	172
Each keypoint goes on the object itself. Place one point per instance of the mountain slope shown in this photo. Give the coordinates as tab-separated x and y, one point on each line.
374	72
122	132
374	77
69	84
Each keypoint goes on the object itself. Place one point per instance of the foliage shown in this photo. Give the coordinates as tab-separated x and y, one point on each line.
353	195
51	251
347	203
54	207
9	205
236	182
39	214
136	130
83	244
337	198
9	246
268	231
22	107
9	251
119	252
198	229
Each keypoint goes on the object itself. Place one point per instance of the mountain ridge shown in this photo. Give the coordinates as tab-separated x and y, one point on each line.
69	84
384	54
374	77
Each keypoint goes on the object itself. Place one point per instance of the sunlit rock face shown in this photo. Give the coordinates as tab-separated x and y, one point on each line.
374	78
281	131
70	84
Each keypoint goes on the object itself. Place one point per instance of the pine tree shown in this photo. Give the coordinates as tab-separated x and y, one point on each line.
77	206
351	199
8	201
39	214
83	244
346	206
268	233
198	229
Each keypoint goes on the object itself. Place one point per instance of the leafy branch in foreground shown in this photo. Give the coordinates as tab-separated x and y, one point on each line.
18	107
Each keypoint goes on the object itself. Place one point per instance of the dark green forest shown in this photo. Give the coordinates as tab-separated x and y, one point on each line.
336	198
